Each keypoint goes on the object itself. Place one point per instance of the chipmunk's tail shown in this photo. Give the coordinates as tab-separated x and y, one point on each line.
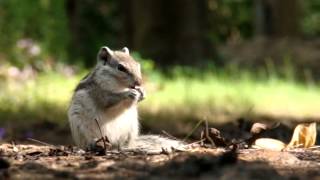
154	144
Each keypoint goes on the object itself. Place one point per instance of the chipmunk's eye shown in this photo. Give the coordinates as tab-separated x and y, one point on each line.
121	68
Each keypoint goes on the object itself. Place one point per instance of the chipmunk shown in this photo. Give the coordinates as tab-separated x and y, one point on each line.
109	96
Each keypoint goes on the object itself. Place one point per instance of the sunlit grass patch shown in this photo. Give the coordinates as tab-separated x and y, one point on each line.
212	96
44	98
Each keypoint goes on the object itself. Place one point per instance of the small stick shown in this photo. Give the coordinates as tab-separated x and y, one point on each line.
196	142
103	140
314	147
193	130
40	142
169	135
207	134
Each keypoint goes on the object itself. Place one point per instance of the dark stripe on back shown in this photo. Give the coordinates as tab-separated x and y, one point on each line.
86	82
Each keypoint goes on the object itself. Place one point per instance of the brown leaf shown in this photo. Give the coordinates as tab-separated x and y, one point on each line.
213	136
304	135
257	128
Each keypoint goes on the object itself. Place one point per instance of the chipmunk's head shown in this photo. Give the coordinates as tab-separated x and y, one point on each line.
118	69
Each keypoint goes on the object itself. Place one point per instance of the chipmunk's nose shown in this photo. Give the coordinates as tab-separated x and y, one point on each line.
137	82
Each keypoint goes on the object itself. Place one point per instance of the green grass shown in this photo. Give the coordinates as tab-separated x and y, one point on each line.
44	98
212	96
217	95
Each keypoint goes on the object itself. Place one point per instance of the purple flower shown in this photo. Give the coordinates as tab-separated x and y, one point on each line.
2	133
28	134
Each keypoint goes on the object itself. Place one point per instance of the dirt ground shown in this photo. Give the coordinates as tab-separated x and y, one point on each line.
59	162
25	159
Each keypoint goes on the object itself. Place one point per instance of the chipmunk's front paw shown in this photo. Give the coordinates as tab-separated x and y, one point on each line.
134	94
142	93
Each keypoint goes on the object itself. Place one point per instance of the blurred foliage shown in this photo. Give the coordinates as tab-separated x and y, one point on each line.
33	30
230	19
93	24
311	19
41	32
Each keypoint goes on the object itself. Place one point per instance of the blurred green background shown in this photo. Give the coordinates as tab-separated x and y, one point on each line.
217	60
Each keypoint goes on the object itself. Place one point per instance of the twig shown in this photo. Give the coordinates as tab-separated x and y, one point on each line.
314	147
193	130
169	135
207	134
103	140
40	142
196	142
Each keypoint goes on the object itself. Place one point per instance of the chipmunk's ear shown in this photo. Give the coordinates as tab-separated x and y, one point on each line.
125	50
104	55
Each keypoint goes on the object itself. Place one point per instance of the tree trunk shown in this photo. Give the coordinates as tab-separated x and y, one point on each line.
171	32
93	24
277	18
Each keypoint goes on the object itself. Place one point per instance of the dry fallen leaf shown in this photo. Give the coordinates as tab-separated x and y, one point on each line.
258	128
269	143
304	135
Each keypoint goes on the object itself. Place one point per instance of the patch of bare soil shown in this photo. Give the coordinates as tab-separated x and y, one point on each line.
57	162
225	153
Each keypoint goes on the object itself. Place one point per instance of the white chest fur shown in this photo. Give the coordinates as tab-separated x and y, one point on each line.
120	123
121	129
